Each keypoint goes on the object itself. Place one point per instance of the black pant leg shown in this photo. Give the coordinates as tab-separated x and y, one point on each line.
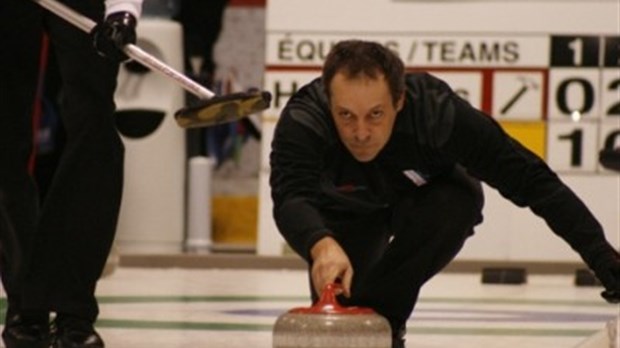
79	216
20	45
430	226
202	24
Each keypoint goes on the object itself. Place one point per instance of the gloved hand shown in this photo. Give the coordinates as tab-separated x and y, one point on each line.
607	270
117	30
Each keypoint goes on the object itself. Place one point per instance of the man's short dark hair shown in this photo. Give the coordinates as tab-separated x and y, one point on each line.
356	58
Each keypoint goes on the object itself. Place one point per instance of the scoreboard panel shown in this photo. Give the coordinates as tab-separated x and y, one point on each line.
572	91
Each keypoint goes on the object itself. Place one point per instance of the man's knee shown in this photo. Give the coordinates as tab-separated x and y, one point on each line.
459	200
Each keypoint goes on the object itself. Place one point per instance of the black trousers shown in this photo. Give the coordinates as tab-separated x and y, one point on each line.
394	251
64	241
202	24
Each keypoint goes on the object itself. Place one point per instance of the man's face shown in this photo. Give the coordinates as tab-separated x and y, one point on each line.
364	113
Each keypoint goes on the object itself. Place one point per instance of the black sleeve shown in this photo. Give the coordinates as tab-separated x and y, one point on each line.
296	162
479	143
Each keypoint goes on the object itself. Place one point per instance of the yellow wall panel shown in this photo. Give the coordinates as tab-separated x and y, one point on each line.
235	219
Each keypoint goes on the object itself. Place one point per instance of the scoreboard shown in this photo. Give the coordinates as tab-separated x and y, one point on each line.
557	91
559	95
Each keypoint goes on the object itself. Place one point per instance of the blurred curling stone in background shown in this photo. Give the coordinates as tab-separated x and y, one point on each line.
327	324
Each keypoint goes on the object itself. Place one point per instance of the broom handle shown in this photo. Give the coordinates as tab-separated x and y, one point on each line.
136	53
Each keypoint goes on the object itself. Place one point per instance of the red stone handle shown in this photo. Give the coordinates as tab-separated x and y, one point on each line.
328	304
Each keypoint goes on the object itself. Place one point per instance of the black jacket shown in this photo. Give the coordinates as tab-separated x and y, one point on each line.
434	131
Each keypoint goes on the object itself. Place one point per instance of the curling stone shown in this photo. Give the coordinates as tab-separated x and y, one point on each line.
327	324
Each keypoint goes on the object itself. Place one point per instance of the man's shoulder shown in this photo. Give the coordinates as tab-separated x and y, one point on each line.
308	108
424	81
430	108
311	94
428	96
